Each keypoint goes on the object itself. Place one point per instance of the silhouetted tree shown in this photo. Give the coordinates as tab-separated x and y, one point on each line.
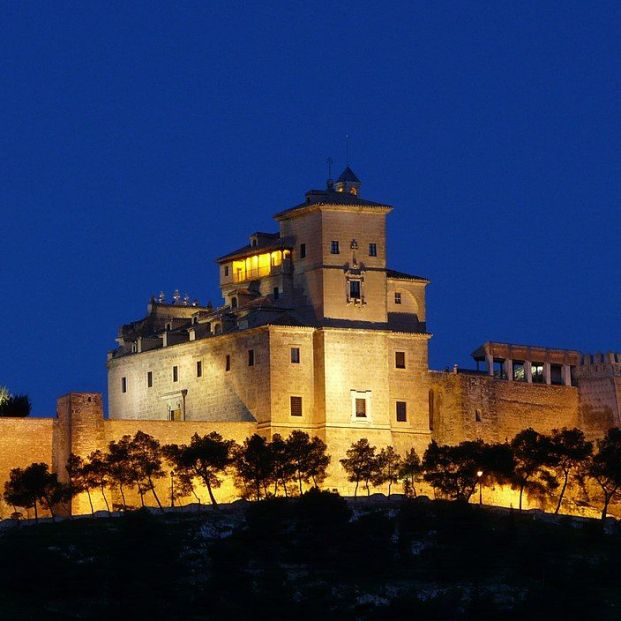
387	468
284	468
409	471
182	474
571	450
35	485
81	477
253	467
533	456
453	470
605	466
308	457
360	464
15	405
97	470
206	457
118	466
317	462
496	464
145	454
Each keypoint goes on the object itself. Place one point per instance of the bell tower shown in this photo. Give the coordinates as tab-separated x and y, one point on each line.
339	252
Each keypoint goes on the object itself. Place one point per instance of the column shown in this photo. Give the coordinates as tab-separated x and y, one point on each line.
546	373
528	371
489	358
508	366
566	373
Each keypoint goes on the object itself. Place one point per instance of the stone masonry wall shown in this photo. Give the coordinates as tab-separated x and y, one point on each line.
22	442
239	394
467	407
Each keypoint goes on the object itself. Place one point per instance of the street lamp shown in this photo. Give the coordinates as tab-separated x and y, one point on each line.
479	476
172	488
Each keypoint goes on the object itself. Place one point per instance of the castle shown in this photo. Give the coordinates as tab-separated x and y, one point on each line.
317	333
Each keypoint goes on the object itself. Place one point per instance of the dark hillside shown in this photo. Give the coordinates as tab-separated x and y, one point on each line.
317	557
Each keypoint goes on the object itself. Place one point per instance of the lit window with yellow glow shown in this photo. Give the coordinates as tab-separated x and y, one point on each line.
258	265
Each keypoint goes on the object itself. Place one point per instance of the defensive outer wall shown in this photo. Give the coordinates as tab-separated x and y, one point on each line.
462	406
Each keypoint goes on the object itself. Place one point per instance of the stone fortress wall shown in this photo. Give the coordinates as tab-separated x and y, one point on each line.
461	406
317	334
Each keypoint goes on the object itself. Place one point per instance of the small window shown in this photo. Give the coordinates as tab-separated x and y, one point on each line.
354	289
227	366
175	374
199	368
296	406
302	251
556	374
276	293
123	384
397	298
233	302
361	408
295	355
254	241
251	357
372	250
519	372
477	416
400	359
149	379
402	412
334	247
537	372
226	270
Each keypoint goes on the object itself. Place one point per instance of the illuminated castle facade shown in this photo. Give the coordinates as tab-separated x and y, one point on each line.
317	333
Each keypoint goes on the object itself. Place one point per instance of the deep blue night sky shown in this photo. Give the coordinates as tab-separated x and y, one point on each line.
139	141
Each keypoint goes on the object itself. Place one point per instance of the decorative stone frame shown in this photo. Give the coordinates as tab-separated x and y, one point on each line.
361	394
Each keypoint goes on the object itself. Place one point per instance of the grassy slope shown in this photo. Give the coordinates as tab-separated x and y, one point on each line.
307	559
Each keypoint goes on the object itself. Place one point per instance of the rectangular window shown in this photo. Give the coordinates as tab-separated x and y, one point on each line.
175	374
295	355
397	298
251	357
556	374
402	412
199	368
537	372
372	250
302	251
228	363
400	359
361	408
354	289
226	270
519	373
499	369
149	379
123	384
334	247
276	293
296	406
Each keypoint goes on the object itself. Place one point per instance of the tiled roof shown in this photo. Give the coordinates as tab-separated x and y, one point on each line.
249	250
404	276
348	175
330	197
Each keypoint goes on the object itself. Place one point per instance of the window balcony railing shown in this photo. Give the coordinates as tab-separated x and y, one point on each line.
243	275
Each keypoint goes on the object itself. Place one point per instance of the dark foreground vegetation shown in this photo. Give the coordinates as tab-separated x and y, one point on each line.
313	557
